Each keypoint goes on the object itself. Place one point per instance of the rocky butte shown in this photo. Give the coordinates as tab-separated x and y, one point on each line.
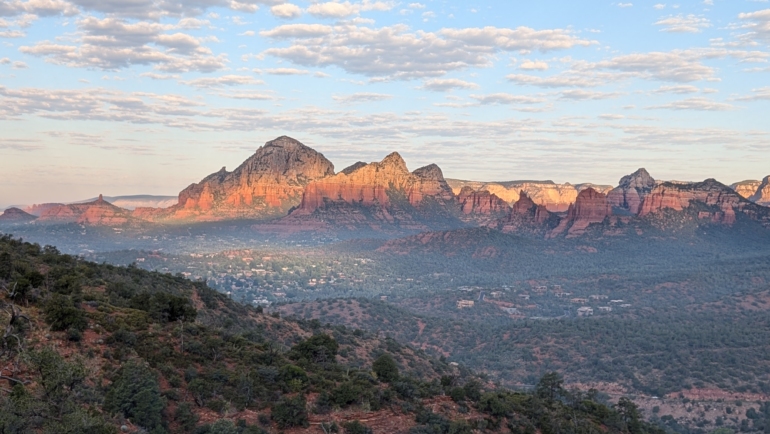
15	215
555	197
268	184
631	191
762	195
98	212
746	188
589	207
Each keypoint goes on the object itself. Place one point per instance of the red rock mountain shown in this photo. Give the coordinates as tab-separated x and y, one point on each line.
589	207
38	209
383	195
15	215
368	184
677	197
555	197
527	217
481	206
98	212
746	188
631	191
762	195
268	184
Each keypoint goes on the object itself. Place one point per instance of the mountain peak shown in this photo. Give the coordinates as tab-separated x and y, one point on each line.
395	160
640	179
431	171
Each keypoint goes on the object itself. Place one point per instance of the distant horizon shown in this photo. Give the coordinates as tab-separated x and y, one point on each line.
151	98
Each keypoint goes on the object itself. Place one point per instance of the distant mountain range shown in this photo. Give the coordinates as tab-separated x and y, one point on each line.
288	187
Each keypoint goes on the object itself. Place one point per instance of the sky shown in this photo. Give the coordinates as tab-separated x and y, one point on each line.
148	96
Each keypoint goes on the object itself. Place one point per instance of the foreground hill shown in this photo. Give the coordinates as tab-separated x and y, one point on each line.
97	349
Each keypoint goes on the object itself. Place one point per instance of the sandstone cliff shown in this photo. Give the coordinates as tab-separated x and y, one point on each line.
15	215
590	207
380	196
555	197
527	217
38	209
762	195
267	184
481	207
631	191
746	188
98	212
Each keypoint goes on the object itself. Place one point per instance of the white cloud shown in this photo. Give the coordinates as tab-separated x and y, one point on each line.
395	53
156	9
758	25
533	65
361	97
682	89
696	103
113	43
676	65
225	80
286	11
659	6
445	84
683	24
625	5
43	8
760	94
506	98
19	65
286	71
156	76
247	33
12	34
335	9
5	61
582	95
249	95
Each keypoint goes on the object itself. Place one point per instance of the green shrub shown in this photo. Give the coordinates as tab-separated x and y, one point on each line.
136	394
386	368
61	313
320	348
290	412
356	427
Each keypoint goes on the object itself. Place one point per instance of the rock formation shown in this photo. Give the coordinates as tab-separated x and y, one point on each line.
268	184
555	197
762	195
369	184
379	196
721	201
527	217
746	188
631	191
481	206
38	209
589	207
15	215
98	212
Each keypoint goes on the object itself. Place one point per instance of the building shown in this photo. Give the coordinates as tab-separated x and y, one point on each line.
605	309
578	300
524	296
512	311
496	294
598	297
462	304
541	289
585	311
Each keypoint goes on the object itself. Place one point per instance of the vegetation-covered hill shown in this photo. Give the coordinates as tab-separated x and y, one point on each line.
91	348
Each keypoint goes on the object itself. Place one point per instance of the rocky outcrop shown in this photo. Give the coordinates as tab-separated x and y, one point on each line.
38	209
381	196
590	207
721	202
268	184
762	195
370	184
631	191
527	217
555	197
481	206
747	188
16	215
97	213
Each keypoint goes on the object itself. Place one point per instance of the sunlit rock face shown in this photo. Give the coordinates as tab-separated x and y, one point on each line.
631	191
762	195
267	184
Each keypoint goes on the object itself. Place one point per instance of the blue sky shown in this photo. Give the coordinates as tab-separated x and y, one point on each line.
148	96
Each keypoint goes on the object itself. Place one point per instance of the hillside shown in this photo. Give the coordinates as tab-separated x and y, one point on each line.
94	348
